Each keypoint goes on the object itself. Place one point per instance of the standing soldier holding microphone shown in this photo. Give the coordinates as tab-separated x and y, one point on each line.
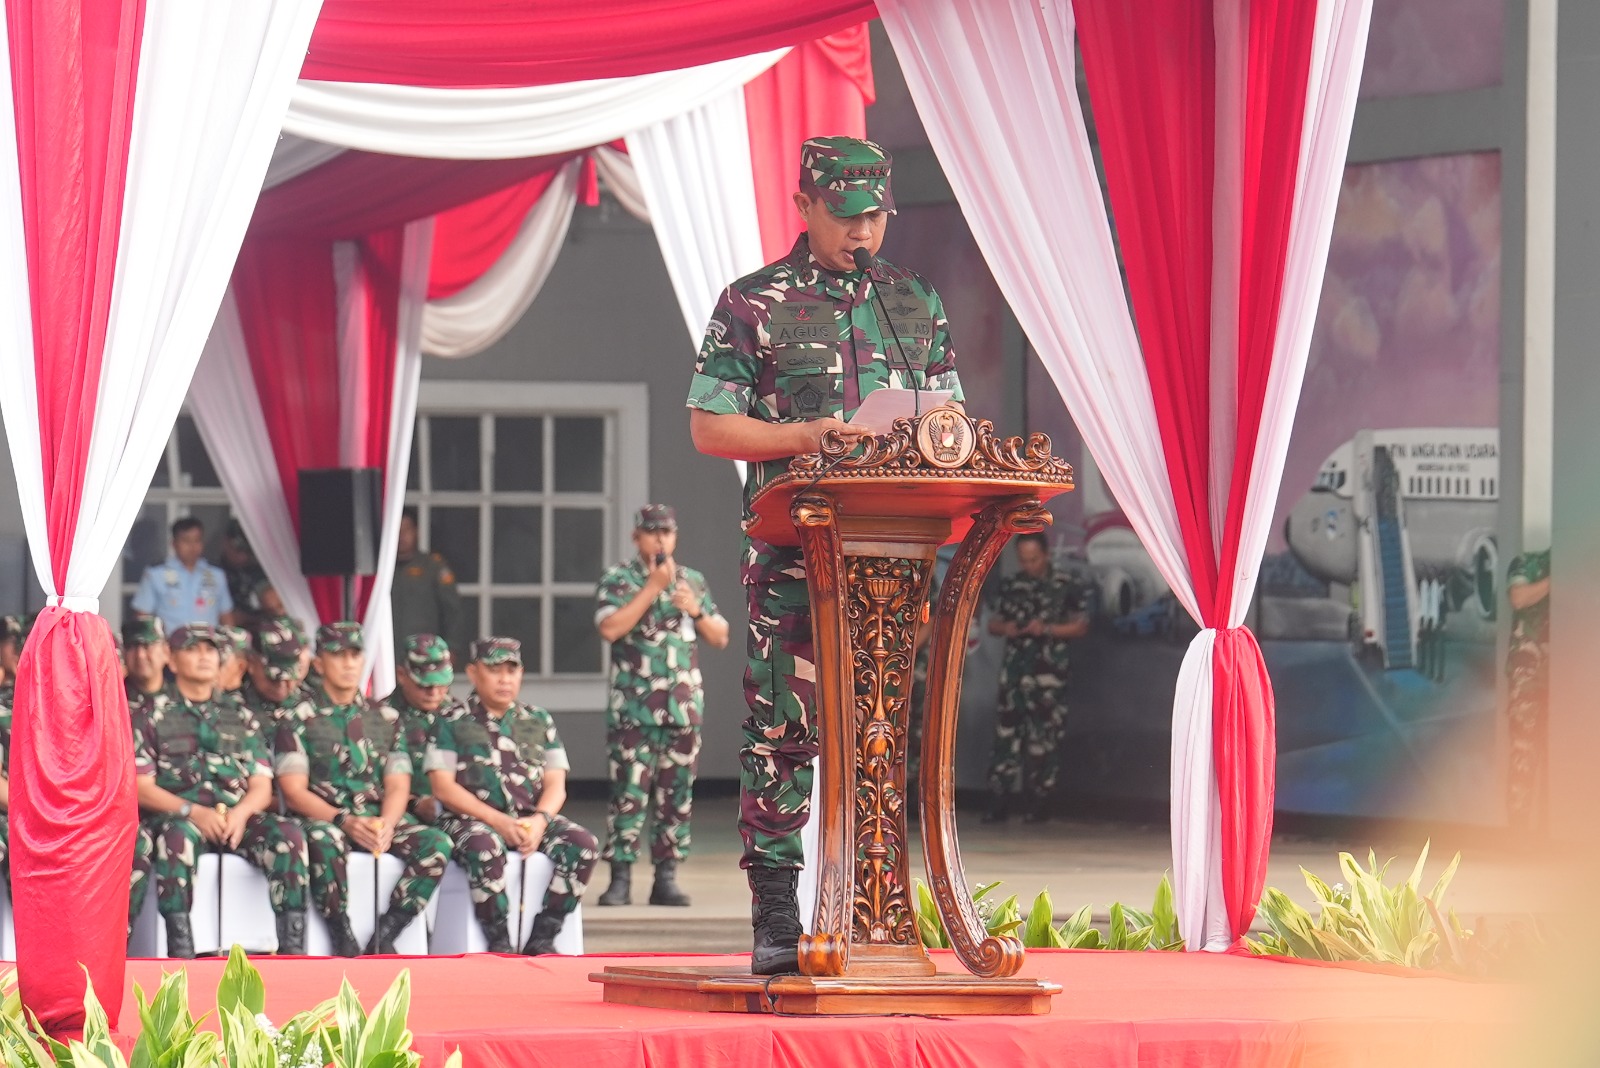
653	611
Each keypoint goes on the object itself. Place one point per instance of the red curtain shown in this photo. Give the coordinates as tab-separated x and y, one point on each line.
1151	70
74	66
464	43
286	292
822	87
468	240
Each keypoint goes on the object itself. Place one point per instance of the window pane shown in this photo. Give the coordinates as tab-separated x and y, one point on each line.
454	454
414	470
518	617
580	543
466	629
518	453
215	517
518	544
147	542
453	533
575	642
161	478
580	454
193	460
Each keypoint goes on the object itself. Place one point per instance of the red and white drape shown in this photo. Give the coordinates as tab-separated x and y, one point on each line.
1224	128
122	204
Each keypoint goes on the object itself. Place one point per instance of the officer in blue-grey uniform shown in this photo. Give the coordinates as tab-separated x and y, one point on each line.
184	588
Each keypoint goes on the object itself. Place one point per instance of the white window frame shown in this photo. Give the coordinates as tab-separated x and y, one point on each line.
628	455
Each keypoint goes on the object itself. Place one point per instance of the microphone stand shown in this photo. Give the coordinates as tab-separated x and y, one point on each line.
864	260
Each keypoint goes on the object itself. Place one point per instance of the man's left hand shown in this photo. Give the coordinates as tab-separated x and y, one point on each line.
684	599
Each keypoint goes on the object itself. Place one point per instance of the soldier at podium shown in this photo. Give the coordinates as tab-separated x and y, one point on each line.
789	353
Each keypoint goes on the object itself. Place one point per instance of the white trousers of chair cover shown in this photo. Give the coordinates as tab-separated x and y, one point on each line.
232	905
527	878
413	941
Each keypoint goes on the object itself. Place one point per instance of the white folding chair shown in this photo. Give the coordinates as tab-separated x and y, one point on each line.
527	879
231	905
362	870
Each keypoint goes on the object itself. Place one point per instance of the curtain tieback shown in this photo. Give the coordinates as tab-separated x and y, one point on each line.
74	604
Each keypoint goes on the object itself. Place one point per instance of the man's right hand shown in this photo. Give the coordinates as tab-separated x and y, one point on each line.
361	831
511	829
213	827
663	575
813	429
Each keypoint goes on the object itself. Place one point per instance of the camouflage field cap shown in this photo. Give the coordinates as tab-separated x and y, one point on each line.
656	517
339	637
279	648
496	651
191	634
849	174
145	630
428	660
235	640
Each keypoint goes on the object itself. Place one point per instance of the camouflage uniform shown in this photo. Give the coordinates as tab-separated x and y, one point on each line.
790	343
424	597
207	752
653	717
1527	704
501	760
1033	675
347	750
278	645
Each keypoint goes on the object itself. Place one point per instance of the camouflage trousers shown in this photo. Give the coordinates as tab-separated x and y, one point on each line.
780	735
423	850
1027	736
1528	671
272	843
652	777
481	852
144	849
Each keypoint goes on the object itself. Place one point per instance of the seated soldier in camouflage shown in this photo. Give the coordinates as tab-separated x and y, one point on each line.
235	661
498	766
204	777
10	658
344	770
272	687
144	657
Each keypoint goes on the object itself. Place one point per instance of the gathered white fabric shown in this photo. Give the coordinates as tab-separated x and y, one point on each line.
294	156
510	123
469	321
617	174
227	411
192	178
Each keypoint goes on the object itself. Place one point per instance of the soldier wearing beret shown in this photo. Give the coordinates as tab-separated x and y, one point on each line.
345	772
499	768
653	611
789	354
204	773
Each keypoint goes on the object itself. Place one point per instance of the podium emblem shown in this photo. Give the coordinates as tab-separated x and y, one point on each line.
945	439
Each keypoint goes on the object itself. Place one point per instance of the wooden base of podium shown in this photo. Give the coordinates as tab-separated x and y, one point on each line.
732	990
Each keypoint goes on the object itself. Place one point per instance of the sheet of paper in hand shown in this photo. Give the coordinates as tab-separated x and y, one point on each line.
882	407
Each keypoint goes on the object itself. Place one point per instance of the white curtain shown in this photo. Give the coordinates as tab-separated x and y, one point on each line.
694	170
994	85
468	322
378	623
192	178
227	412
619	176
294	156
507	123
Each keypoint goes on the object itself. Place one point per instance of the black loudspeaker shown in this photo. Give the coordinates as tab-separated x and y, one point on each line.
339	521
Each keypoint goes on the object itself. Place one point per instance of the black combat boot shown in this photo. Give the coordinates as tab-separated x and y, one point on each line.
292	933
620	892
998	811
666	891
344	939
389	928
775	914
180	936
542	940
498	936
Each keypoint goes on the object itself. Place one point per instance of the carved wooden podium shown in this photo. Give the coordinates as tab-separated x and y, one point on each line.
870	519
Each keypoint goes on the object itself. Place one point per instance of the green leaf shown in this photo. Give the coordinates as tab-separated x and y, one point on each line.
1164	916
241	988
97	1029
982	891
1118	930
1039	931
350	1021
386	1026
454	1060
1415	882
1443	884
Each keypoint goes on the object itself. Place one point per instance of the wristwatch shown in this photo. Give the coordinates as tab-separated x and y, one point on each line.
184	810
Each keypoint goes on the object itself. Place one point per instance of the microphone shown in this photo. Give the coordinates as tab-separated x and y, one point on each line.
863	260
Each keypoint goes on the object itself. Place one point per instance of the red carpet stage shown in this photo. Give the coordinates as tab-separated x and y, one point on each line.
1118	1009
